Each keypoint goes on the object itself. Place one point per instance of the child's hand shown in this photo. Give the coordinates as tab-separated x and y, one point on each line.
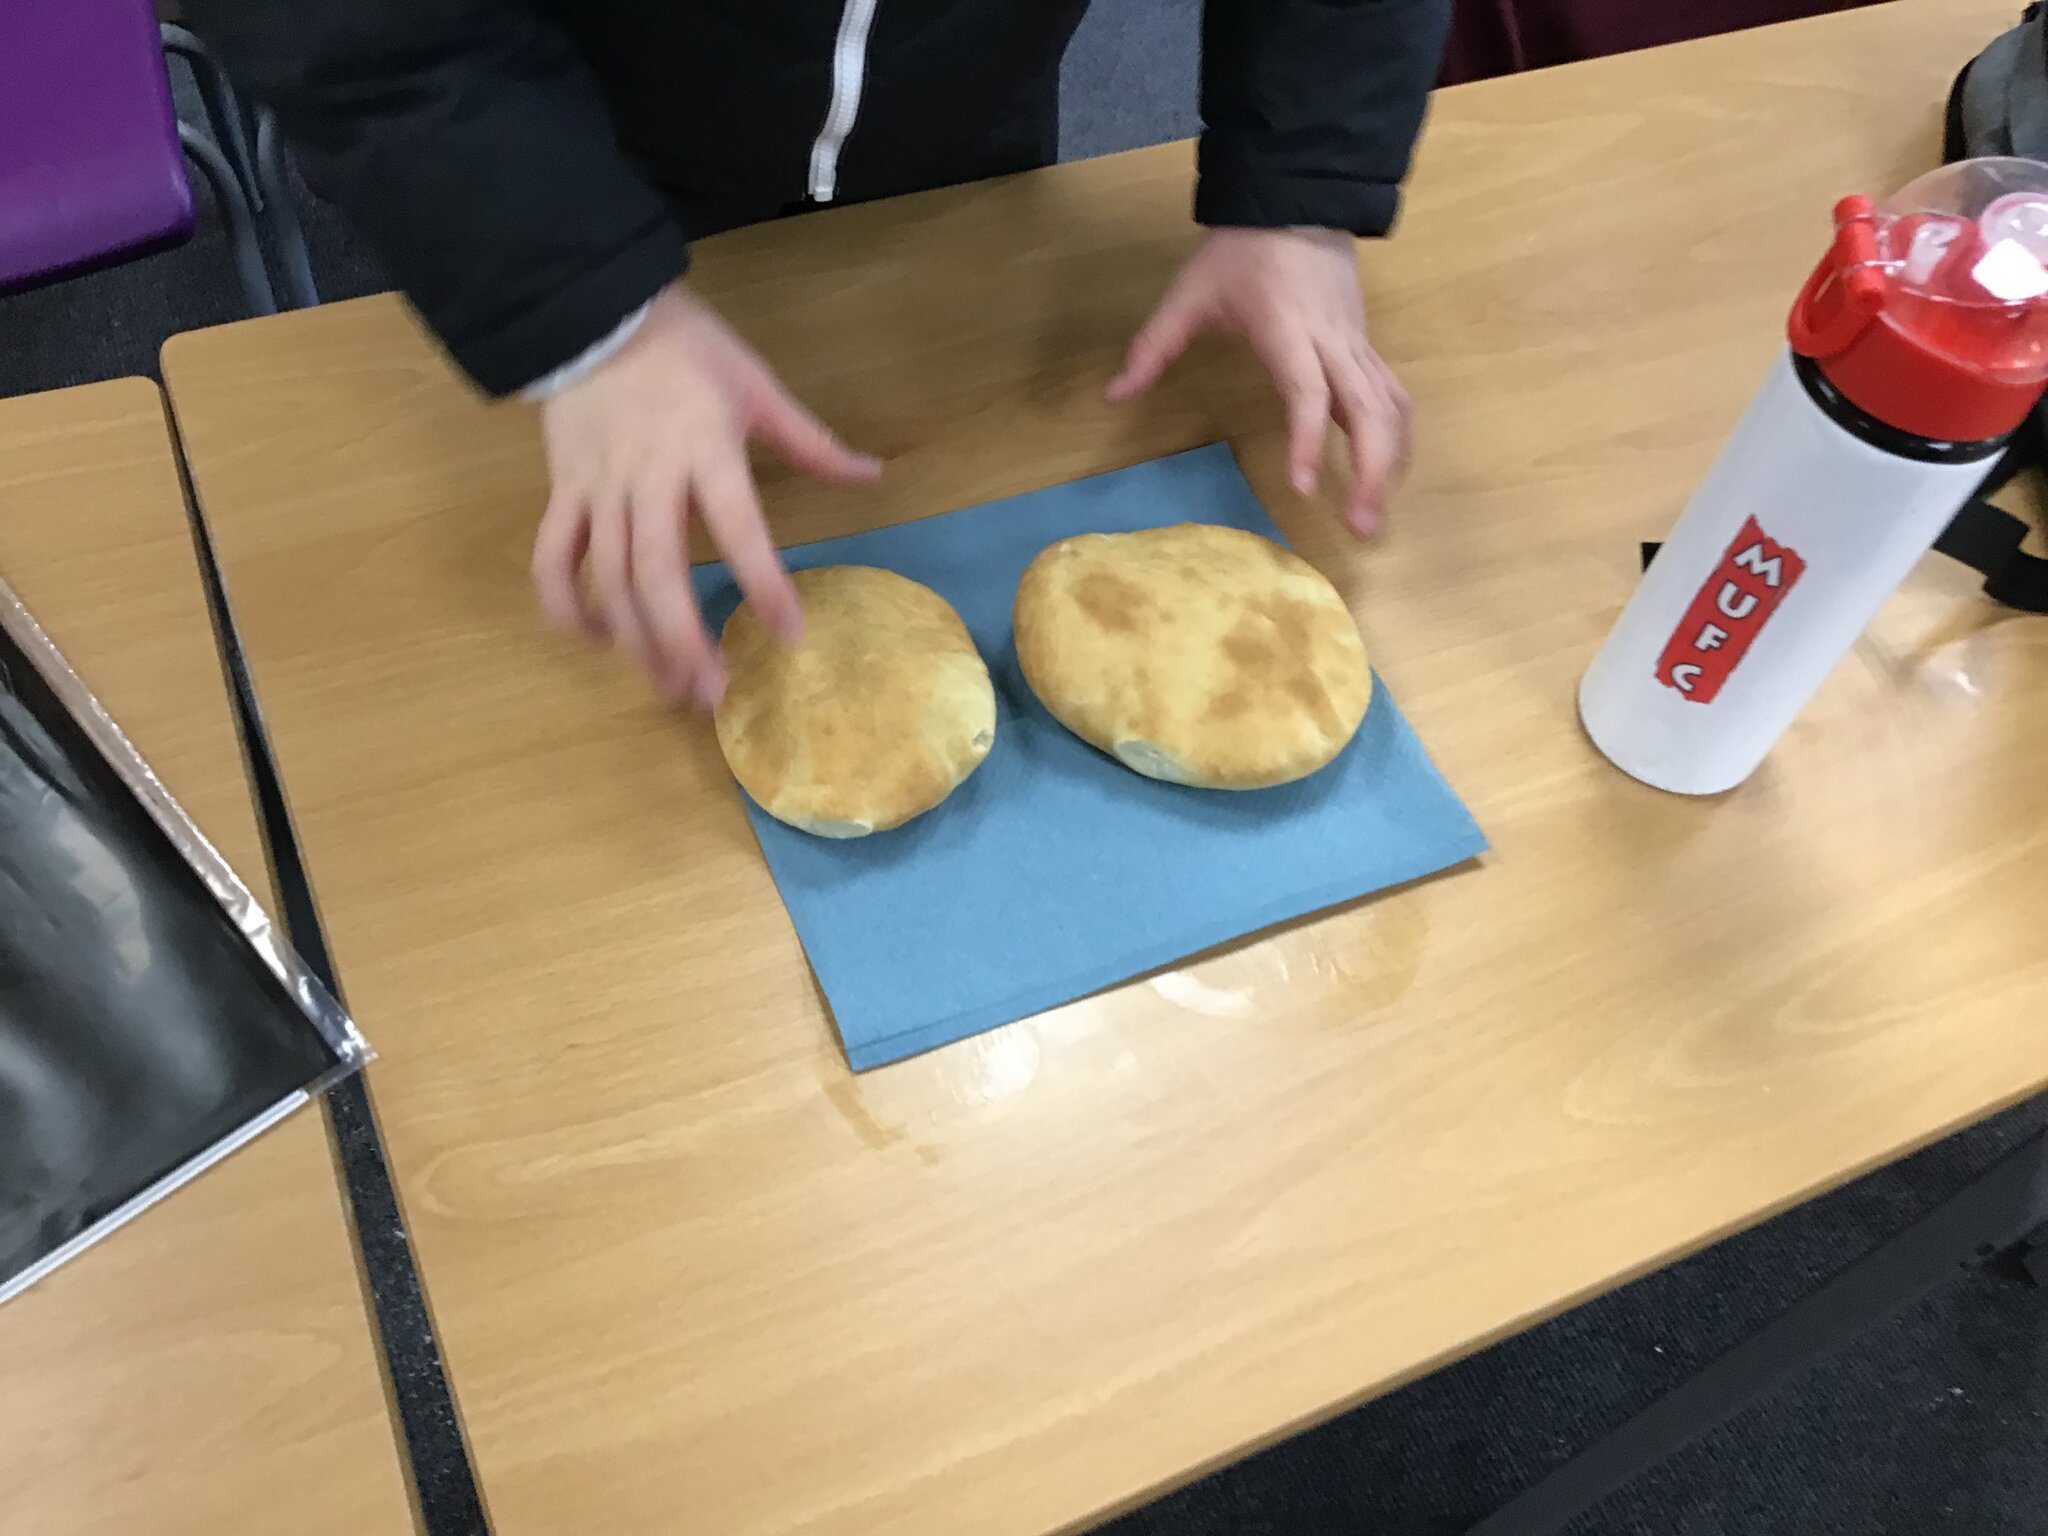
654	435
1293	294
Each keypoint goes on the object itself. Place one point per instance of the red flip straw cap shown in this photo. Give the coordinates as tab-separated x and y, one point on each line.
1930	314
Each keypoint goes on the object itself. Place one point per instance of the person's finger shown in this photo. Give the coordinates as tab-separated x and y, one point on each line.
1404	414
559	545
1356	401
1297	372
1363	408
1396	426
611	567
685	662
732	512
1179	318
802	441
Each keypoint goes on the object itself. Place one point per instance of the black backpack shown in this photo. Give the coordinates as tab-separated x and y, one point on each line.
1999	106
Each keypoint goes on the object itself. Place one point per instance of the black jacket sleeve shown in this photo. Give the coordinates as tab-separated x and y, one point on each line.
466	141
1311	109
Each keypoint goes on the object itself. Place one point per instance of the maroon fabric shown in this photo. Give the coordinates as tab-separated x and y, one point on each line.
1499	37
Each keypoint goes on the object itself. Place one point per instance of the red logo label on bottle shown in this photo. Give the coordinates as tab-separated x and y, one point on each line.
1729	613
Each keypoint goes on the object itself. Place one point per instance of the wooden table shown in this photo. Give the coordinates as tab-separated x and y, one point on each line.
691	1272
208	1369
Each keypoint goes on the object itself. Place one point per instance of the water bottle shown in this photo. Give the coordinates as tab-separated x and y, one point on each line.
1917	346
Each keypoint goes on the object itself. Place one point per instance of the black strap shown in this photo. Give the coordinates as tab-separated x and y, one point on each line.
1988	539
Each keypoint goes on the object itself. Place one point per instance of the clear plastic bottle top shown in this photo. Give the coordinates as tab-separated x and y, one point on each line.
1930	311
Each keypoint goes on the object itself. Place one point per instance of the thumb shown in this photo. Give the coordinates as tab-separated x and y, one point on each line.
805	443
1176	322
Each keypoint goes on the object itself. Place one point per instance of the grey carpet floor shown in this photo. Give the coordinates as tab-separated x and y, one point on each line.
1934	1424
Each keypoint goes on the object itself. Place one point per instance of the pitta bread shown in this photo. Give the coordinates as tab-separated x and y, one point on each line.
1197	654
875	716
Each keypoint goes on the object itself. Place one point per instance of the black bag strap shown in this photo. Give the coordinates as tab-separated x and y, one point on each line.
1987	538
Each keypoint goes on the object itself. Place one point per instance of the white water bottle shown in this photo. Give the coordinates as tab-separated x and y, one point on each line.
1917	346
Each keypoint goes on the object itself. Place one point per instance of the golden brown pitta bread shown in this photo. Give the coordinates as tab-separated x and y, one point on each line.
875	716
1197	654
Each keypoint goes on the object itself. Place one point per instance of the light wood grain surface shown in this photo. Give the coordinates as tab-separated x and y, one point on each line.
209	1369
692	1273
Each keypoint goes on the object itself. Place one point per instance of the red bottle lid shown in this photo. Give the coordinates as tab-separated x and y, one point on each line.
1930	314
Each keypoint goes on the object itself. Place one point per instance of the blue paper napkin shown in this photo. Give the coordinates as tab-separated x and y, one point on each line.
1055	871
